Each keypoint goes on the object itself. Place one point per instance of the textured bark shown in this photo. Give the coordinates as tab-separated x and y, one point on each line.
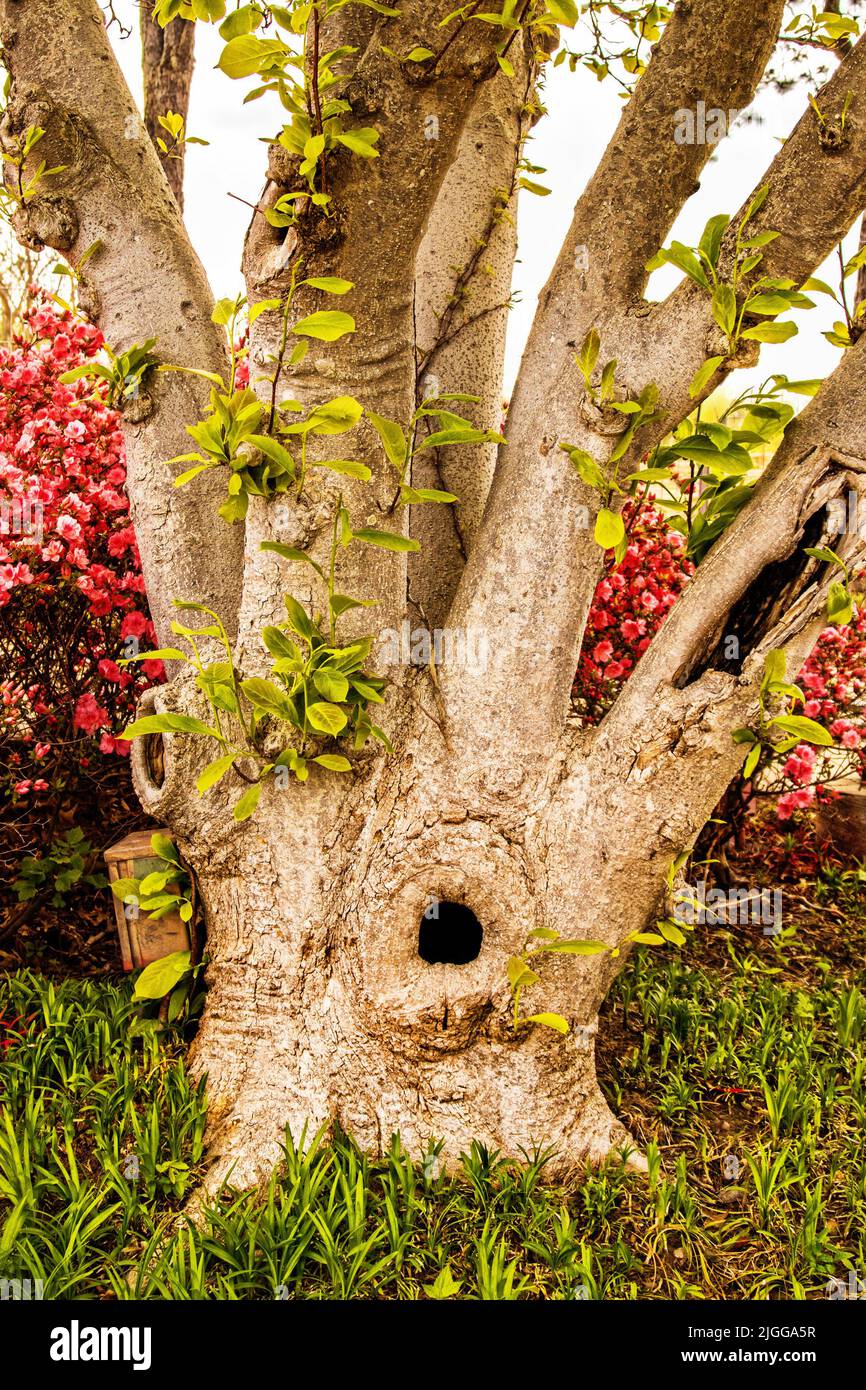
462	290
374	244
320	1006
167	61
538	505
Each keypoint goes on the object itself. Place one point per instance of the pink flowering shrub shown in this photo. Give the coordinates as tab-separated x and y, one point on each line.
631	602
71	590
833	680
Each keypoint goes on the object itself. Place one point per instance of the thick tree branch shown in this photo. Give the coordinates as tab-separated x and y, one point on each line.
462	292
167	62
757	569
817	187
532	574
380	211
711	51
667	742
142	279
637	790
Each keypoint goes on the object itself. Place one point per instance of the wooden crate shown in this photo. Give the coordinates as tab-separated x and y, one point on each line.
141	939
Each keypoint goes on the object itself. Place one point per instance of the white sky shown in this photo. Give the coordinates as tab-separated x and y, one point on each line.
568	142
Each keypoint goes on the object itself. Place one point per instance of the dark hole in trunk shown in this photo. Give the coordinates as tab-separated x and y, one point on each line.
154	758
761	606
449	934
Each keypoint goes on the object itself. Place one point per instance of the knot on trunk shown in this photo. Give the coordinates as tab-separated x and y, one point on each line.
46	221
430	944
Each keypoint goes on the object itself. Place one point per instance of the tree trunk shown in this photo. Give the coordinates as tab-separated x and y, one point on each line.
167	61
320	1004
360	927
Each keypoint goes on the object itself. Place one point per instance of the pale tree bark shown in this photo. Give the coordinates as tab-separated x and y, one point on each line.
321	1006
463	278
167	57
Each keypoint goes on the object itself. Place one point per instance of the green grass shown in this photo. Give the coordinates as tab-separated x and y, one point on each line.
740	1055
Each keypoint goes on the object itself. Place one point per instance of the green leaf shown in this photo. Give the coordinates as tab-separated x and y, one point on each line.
161	976
214	772
268	698
387	540
164	847
732	461
773	303
223	312
724	307
520	975
719	434
331	417
563	11
334	762
444	1285
609	529
367	692
588	355
186	477
290	552
124	888
341	603
157	654
588	470
327	325
672	933
245	55
299	621
770	332
574	948
347	468
704	374
312	149
775	667
754	757
840	605
331	685
234	508
711	237
807	730
248	802
549	1021
279	645
330	284
756	204
326	718
362	140
684	259
808	387
154	883
393	439
823	552
459	434
168	724
414	495
273	450
263	306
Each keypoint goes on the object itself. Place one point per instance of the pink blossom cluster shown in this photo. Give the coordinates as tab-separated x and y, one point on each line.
833	680
631	602
70	576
